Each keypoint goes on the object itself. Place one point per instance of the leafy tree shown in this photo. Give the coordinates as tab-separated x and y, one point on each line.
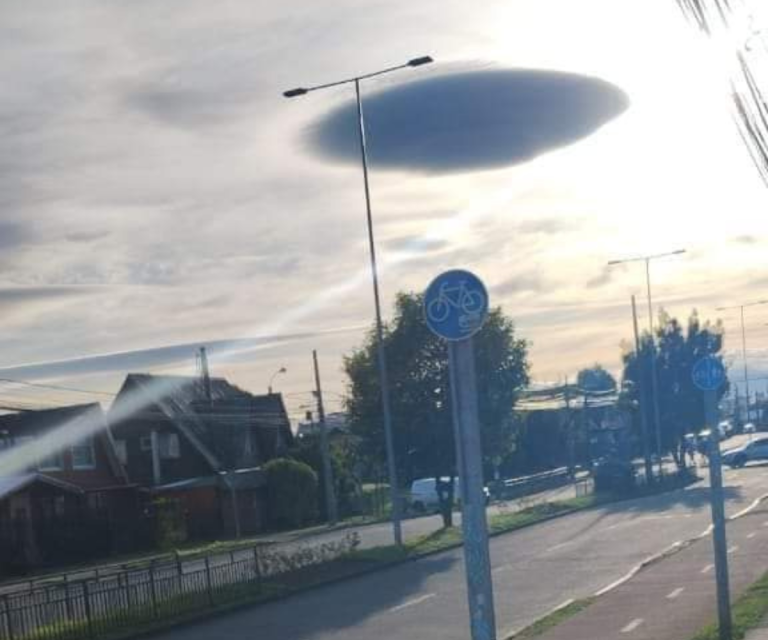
346	486
291	492
420	395
595	378
681	403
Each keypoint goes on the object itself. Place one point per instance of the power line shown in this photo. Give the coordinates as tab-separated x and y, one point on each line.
56	387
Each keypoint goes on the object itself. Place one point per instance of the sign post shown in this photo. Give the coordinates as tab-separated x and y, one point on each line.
455	307
709	376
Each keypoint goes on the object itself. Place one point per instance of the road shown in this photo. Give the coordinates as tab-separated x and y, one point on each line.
535	569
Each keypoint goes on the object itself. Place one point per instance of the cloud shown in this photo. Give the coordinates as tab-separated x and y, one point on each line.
153	358
745	239
415	244
22	295
86	236
603	278
544	226
527	282
471	120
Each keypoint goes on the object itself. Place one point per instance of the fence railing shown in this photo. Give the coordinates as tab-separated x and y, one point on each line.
95	607
517	487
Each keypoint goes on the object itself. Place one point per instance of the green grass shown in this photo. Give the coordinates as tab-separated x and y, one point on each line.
746	612
552	620
451	537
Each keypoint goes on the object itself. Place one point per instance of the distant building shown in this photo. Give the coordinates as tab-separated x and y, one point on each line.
336	425
200	443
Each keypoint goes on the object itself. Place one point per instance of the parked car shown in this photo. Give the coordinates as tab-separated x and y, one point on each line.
614	474
755	450
423	494
750	428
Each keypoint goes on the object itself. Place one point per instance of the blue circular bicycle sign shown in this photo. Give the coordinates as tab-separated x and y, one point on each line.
708	373
456	305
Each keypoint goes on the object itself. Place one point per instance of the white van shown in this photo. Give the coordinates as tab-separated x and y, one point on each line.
423	495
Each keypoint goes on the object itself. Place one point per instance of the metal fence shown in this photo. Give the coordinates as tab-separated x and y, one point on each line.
97	607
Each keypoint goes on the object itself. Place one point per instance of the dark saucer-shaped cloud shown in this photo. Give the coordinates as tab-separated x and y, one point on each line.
471	120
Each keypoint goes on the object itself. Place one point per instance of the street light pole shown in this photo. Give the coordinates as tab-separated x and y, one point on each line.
381	355
740	307
654	368
276	373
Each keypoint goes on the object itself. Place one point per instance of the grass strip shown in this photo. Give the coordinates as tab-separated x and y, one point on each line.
553	619
747	612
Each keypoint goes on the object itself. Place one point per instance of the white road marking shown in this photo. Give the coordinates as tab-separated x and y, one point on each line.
632	625
765	524
733	549
503	567
708	568
675	593
560	546
751	535
413	602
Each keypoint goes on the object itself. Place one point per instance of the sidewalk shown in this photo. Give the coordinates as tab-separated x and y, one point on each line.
675	597
758	633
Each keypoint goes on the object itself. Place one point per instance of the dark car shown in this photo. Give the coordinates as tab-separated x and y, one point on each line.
613	474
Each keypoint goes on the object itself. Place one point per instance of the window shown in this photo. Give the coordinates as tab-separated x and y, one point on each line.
121	451
83	455
145	443
168	444
53	462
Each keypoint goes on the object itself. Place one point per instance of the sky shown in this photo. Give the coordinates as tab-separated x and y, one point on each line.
158	193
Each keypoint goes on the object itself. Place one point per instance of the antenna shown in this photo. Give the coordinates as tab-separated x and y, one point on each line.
204	372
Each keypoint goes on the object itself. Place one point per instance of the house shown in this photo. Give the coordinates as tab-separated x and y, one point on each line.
199	444
63	494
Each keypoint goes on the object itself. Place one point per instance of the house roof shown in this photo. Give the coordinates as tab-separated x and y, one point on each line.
48	420
240	479
13	484
184	401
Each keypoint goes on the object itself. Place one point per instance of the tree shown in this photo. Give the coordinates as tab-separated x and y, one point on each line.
681	403
420	394
346	486
595	378
291	492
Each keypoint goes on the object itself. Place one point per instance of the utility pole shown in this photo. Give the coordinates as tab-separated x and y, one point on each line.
330	495
570	434
643	399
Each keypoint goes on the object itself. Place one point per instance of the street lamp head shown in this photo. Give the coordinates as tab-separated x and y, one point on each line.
678	252
417	62
283	370
292	93
613	263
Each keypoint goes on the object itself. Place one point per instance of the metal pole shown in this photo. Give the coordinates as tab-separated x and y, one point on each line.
643	399
330	494
383	377
469	452
654	370
744	354
718	518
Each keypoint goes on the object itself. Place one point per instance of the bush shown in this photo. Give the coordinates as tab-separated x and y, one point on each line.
346	486
291	493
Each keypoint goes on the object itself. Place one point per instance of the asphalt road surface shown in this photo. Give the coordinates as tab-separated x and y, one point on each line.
534	570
